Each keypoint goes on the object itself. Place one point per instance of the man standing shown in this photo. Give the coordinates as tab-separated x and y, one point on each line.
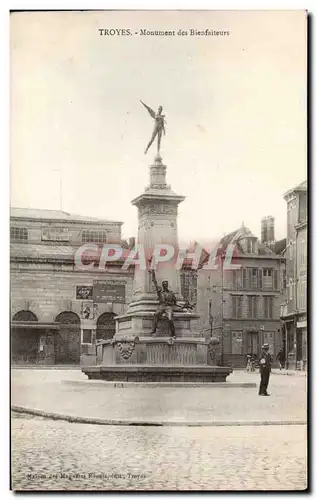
265	369
281	358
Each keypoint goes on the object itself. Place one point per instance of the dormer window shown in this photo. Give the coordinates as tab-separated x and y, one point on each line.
251	245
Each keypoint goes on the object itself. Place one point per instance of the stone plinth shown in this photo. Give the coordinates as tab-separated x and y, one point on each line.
135	353
158	373
157	359
141	323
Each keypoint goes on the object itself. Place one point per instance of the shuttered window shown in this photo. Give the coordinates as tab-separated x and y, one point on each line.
268	307
276	279
252	306
260	279
237	306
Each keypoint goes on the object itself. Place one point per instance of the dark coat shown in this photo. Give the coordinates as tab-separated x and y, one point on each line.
265	361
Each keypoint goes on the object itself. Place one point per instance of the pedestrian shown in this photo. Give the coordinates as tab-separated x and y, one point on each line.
265	369
281	357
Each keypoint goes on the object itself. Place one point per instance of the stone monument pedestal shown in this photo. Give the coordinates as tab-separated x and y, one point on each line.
136	353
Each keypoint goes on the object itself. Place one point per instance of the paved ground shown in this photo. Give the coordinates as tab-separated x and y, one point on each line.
44	390
55	455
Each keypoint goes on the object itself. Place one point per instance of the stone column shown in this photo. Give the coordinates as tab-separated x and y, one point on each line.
157	218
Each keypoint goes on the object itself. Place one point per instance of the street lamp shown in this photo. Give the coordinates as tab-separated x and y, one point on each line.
222	310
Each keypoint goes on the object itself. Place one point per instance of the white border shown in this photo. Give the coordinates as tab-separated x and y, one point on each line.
5	6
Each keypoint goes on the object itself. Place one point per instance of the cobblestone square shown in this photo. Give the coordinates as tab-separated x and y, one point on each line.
57	455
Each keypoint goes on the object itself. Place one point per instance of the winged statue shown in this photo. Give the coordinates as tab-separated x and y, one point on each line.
159	126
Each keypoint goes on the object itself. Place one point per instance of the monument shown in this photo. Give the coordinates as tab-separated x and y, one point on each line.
157	338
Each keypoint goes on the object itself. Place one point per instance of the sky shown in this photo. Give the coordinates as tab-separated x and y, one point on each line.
235	108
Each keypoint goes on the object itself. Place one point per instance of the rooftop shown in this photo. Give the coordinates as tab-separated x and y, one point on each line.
56	215
301	187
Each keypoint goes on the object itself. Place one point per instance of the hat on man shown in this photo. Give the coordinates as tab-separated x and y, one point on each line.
265	346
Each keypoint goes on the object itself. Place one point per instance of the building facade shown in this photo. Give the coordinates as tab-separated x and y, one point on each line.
242	305
59	310
294	309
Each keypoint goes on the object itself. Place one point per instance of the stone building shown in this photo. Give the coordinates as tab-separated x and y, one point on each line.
57	309
242	305
294	310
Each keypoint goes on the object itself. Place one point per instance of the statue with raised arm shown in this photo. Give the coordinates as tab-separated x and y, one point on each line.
159	127
167	304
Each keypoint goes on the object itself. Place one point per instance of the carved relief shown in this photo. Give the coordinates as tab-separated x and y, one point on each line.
157	208
126	349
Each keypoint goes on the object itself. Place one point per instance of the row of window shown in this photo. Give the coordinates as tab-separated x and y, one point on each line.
302	293
303	254
89	236
253	309
256	279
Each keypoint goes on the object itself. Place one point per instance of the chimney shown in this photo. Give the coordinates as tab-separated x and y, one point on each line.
267	231
131	242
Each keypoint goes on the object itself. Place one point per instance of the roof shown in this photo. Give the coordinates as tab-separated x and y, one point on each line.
243	232
301	187
280	246
56	215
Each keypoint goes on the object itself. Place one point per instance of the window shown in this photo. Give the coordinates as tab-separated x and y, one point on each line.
267	279
302	295
188	286
268	307
250	245
244	278
94	237
254	278
252	306
284	278
260	279
290	289
185	285
303	252
55	234
290	250
267	272
276	279
237	306
302	212
18	233
87	336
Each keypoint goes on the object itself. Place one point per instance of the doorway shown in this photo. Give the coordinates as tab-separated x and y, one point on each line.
252	343
67	339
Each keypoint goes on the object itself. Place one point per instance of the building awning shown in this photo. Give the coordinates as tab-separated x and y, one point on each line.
35	325
288	318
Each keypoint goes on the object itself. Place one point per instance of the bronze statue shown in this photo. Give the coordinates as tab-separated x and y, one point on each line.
167	303
159	127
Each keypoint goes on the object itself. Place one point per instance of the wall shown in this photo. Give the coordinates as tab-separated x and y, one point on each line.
209	298
75	229
48	289
302	269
